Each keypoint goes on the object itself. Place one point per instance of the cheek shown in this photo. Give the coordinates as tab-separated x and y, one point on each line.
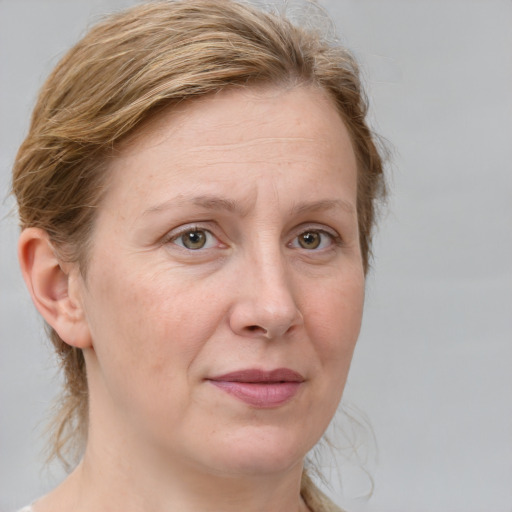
148	331
153	323
333	322
335	316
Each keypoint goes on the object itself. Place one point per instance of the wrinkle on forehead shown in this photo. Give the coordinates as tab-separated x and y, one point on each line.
170	135
253	141
256	150
170	120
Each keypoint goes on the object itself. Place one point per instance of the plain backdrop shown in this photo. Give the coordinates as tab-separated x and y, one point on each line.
433	368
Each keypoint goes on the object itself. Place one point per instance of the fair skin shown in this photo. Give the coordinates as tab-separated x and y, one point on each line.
227	241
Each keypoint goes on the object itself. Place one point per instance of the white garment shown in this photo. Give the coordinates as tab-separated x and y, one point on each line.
28	508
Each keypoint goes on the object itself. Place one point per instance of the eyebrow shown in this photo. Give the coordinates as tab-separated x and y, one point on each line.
212	202
208	202
322	205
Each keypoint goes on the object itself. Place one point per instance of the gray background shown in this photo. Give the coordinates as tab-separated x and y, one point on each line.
432	371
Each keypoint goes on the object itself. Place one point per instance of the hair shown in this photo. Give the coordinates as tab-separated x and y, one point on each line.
132	65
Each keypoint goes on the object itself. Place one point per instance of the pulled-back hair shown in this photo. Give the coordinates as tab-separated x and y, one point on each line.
127	68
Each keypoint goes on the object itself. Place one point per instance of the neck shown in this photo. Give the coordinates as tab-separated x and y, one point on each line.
133	481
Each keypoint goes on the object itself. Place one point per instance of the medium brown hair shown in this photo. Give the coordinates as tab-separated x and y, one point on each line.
134	64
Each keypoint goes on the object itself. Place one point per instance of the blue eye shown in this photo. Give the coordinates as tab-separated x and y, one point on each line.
194	239
313	239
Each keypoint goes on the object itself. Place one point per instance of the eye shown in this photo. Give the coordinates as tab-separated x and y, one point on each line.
313	239
194	239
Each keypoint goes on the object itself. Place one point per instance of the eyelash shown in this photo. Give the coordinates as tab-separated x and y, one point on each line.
335	238
173	236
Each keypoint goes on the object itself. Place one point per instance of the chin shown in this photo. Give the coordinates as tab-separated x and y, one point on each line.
262	451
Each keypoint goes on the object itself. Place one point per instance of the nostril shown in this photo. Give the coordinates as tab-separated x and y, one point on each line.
256	328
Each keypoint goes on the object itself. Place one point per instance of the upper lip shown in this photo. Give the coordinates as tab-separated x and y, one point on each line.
255	375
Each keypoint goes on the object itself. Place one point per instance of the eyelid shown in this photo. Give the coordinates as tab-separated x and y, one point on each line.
209	227
319	228
175	233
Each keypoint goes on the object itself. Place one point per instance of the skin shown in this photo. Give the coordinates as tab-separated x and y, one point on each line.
252	170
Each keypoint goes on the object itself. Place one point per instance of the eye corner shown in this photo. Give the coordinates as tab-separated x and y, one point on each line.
200	238
315	239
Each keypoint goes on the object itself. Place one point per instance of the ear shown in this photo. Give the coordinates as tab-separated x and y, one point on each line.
55	287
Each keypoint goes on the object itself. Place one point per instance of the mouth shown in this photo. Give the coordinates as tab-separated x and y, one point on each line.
259	388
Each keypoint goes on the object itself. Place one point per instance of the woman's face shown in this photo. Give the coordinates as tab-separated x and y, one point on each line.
225	285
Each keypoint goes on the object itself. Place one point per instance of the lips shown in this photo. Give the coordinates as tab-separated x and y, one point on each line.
261	389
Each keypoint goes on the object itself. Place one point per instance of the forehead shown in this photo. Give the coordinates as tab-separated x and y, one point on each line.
230	137
274	107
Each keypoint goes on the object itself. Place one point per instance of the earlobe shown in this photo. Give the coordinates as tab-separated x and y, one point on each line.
53	287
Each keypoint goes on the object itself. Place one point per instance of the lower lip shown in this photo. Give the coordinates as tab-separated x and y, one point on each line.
259	394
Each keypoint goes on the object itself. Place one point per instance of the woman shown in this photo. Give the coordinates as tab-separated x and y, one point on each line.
197	194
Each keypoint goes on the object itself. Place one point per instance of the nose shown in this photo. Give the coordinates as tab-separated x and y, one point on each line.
265	306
